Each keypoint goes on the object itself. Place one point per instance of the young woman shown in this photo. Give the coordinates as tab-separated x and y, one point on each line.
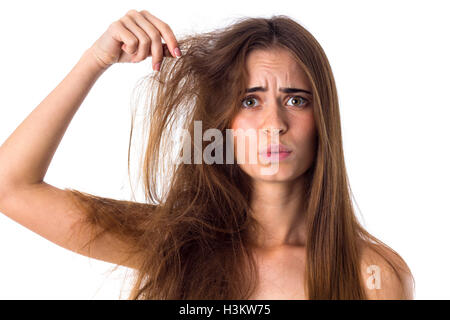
213	230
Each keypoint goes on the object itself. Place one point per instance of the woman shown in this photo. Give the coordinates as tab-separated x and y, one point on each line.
215	230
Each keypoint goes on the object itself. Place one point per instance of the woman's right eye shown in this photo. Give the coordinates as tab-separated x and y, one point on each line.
246	99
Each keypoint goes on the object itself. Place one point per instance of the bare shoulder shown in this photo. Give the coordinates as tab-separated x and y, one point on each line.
385	275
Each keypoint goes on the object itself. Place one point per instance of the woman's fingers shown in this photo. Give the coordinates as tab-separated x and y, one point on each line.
109	43
127	36
154	47
155	29
149	30
157	50
144	40
133	38
164	30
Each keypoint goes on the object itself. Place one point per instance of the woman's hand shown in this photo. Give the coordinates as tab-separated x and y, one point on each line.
133	38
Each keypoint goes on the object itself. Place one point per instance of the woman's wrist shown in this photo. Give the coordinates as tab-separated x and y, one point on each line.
93	63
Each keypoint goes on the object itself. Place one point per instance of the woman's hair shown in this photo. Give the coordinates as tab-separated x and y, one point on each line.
194	231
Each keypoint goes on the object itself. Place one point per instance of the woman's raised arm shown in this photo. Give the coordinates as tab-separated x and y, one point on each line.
28	151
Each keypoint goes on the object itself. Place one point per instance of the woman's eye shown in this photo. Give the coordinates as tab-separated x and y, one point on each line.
245	101
300	99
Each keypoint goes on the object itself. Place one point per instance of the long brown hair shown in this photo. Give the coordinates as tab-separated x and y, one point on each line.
193	232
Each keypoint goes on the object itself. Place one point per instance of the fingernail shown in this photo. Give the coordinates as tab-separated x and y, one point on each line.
157	66
177	52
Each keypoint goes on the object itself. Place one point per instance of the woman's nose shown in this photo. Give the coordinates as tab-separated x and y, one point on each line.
274	120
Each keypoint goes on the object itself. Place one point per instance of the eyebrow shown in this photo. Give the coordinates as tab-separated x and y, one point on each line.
285	90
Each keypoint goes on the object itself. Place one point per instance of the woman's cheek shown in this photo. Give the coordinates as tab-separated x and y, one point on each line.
241	125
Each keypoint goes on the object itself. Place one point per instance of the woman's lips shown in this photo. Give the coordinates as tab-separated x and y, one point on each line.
275	148
276	155
275	152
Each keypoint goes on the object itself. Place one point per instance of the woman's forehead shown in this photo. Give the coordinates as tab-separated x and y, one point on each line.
267	67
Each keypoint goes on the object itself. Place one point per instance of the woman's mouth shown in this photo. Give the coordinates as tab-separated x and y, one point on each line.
275	152
275	155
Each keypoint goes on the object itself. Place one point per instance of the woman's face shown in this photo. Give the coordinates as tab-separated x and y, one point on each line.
269	111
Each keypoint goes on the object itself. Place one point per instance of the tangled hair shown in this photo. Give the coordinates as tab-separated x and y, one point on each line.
192	235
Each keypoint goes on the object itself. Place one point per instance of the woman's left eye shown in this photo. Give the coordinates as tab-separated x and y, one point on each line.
299	98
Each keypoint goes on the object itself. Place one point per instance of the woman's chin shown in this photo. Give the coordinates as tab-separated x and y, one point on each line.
276	172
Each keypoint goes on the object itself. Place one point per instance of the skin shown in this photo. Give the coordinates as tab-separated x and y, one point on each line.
277	201
27	153
46	210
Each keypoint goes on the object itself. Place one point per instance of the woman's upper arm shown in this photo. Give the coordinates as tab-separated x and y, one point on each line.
51	213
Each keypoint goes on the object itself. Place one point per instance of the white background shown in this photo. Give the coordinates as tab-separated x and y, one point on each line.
391	64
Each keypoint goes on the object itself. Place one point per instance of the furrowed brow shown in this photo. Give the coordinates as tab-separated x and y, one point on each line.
284	90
